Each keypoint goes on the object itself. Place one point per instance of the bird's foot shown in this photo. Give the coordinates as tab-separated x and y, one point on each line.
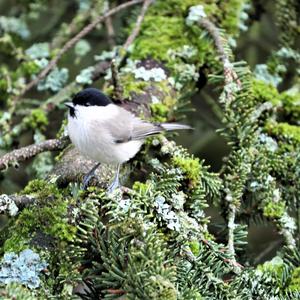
113	186
86	180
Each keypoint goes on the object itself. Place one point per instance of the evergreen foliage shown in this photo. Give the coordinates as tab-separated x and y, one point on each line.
155	239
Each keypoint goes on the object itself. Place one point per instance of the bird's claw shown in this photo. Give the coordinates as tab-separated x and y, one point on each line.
86	181
113	186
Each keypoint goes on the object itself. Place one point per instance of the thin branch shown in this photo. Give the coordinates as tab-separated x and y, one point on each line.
231	226
110	29
12	204
22	154
230	75
118	89
72	42
138	24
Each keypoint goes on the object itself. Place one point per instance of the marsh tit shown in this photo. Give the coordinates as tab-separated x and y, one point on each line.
107	133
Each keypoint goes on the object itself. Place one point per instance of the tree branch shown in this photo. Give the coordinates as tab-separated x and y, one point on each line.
138	24
22	154
71	43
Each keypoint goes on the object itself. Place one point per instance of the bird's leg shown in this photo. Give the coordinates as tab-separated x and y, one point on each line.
115	183
89	176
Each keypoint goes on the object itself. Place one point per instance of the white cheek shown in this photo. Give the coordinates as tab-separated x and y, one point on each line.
95	142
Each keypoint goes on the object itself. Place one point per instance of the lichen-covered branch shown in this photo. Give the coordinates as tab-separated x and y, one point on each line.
13	158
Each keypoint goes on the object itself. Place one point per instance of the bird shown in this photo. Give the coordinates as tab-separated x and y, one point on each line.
107	133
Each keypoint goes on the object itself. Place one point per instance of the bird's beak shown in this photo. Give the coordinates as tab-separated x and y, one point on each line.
69	104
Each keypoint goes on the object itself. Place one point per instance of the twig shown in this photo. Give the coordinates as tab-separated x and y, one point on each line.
138	24
71	43
79	19
110	31
266	251
231	227
118	89
22	154
230	75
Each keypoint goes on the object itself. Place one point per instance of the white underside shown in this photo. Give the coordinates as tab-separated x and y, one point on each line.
88	132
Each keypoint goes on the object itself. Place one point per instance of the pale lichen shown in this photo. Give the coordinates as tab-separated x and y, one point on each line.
196	13
55	81
7	205
38	50
24	268
85	76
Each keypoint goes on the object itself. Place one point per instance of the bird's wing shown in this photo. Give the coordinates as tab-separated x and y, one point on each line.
120	126
125	127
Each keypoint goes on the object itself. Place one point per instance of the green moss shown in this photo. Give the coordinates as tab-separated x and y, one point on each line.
284	130
274	267
131	85
191	167
174	35
171	36
48	215
291	104
36	119
274	209
195	247
29	68
264	92
173	7
229	12
159	112
295	280
41	189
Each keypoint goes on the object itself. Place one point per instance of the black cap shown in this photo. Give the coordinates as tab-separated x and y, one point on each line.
91	97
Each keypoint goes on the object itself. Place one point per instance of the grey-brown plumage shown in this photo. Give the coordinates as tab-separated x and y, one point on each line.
107	133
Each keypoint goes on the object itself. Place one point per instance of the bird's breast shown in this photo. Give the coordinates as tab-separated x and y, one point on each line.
93	140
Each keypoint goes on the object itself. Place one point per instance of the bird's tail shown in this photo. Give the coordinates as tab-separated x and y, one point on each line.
145	129
174	126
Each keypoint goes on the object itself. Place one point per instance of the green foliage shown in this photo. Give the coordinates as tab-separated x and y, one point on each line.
155	240
16	292
36	120
295	280
190	166
285	131
274	210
